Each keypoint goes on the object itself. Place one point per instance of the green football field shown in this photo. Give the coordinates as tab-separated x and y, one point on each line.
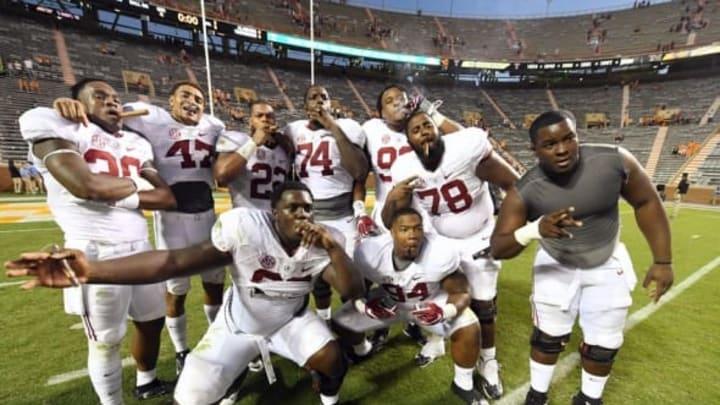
670	355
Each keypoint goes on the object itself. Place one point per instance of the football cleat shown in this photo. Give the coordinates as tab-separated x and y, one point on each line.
180	361
582	399
355	358
414	332
379	338
432	350
471	397
153	389
536	398
490	371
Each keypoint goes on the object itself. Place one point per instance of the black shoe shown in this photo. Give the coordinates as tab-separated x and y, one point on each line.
491	391
582	399
180	361
155	388
355	358
414	332
471	397
379	338
536	398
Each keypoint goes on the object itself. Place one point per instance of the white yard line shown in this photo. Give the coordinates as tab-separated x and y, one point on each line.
11	283
30	230
74	375
568	363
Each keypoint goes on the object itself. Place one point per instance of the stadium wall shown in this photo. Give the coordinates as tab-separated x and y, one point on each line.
5	181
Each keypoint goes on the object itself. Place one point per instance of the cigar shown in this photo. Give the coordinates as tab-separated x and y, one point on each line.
427	150
133	113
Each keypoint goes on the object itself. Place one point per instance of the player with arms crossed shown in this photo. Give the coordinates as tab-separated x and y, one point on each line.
250	165
419	280
447	178
95	191
277	256
329	159
569	202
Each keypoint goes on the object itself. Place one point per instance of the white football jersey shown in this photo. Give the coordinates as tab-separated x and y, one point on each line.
457	201
271	284
420	280
182	152
317	157
264	169
384	145
120	156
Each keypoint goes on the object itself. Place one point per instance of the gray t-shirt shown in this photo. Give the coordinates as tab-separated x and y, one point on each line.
593	189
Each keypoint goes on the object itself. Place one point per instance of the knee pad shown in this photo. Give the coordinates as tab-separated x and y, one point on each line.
597	354
321	289
486	311
545	343
330	384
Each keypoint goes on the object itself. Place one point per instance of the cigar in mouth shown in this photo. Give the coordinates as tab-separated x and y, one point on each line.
133	113
426	150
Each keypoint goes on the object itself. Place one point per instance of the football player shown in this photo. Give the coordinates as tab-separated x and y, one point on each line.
98	177
569	203
419	280
277	256
447	178
329	159
183	142
251	164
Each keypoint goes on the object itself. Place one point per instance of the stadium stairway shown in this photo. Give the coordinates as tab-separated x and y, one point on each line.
710	113
358	96
497	109
276	81
657	147
625	107
692	165
551	99
64	57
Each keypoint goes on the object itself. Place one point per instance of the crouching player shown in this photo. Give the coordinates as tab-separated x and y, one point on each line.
419	280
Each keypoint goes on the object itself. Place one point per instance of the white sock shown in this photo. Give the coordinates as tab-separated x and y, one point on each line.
324	314
363	348
105	372
487	354
177	329
540	375
329	400
211	312
593	385
463	377
145	377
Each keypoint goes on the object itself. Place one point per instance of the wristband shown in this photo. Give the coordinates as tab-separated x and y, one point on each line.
359	305
528	233
130	202
141	184
438	118
449	311
247	150
663	262
358	208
